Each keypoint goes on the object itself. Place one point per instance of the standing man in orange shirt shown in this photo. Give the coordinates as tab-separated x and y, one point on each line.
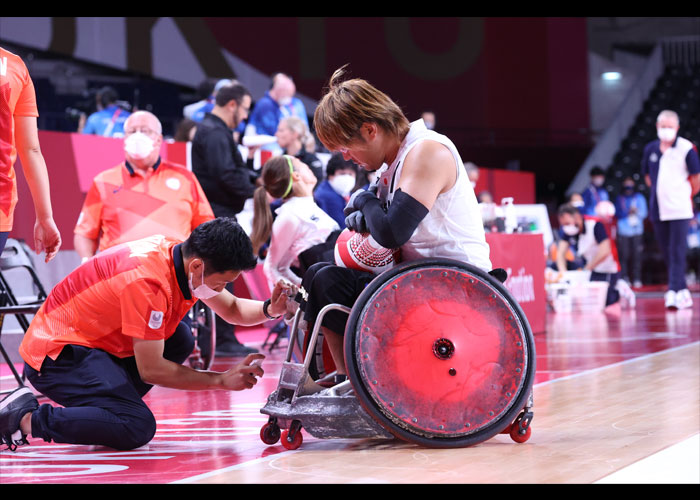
142	196
18	134
113	327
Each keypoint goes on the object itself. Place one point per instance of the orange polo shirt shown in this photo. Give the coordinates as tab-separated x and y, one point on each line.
134	290
17	98
123	205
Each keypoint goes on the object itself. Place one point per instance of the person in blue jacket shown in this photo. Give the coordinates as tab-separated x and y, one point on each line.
631	211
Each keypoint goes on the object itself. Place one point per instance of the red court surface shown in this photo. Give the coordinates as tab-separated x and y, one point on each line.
200	433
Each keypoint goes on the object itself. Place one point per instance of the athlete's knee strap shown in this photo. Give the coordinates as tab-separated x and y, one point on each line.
392	228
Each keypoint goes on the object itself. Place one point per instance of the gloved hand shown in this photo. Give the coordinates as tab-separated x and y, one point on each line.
356	222
357	200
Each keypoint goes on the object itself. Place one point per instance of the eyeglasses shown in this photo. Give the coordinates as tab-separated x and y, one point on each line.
146	131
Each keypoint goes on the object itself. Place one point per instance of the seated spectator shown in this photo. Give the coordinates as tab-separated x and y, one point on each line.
631	211
589	242
333	193
108	120
292	134
301	234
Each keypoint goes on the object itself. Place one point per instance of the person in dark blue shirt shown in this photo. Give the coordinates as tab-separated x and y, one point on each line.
595	192
333	193
631	211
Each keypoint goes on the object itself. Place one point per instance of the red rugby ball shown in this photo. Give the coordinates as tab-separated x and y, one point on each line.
361	251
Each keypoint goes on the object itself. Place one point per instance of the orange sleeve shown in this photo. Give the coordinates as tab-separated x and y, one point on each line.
89	220
26	102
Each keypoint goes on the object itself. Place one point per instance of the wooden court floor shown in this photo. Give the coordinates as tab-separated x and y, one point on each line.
613	393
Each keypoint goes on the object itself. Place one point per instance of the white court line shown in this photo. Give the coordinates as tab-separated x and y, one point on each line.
242	465
614	365
688	450
677	464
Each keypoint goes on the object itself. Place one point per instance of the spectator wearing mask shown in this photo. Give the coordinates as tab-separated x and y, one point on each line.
142	196
595	192
631	210
671	169
577	200
333	193
588	240
278	102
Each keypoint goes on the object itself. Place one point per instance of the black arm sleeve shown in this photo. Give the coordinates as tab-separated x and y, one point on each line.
394	227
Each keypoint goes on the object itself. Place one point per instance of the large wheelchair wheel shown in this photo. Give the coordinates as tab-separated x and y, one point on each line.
439	353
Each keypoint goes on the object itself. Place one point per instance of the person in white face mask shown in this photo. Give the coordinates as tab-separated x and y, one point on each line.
671	169
595	192
333	193
142	196
587	240
113	328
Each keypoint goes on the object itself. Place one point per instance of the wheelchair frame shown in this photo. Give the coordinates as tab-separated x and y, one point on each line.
347	410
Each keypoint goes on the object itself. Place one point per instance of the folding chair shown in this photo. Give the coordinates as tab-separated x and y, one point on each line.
16	261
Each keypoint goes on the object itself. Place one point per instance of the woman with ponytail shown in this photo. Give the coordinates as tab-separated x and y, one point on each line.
301	233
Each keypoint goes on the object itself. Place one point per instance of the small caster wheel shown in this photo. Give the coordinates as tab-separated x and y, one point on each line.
518	435
270	433
291	442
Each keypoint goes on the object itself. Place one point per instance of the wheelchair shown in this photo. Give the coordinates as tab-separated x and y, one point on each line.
438	354
202	321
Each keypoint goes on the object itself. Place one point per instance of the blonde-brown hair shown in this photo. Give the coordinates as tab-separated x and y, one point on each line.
350	103
277	177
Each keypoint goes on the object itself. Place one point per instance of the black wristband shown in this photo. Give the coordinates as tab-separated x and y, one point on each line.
266	304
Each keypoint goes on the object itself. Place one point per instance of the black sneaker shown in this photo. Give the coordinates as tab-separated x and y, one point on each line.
12	408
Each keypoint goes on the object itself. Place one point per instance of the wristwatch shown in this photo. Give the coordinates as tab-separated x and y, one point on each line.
266	304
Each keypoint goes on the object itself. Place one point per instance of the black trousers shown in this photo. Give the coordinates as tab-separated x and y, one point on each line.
326	284
101	394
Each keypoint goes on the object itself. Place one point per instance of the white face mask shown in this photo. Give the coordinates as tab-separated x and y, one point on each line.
570	229
138	145
284	101
202	291
598	181
666	134
342	184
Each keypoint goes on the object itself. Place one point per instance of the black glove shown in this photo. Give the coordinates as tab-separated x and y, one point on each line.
356	222
356	201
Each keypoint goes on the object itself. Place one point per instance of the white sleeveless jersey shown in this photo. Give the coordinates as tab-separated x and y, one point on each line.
588	247
453	228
